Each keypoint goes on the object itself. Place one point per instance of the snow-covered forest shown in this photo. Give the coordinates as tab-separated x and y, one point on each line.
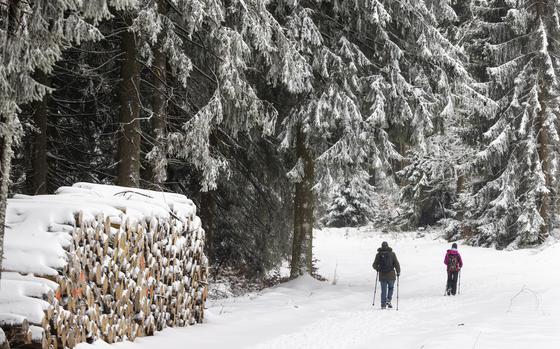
280	116
277	116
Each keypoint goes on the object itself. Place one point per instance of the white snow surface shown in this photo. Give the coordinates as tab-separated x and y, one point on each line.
509	299
39	229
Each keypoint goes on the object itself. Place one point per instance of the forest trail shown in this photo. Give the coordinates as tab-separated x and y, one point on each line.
509	299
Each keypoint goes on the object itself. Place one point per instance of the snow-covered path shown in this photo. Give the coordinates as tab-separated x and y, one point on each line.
508	300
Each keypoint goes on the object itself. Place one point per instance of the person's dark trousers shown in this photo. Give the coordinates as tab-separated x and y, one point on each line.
386	291
452	282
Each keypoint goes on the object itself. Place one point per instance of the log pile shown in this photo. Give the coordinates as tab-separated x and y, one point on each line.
124	278
127	280
15	334
4	344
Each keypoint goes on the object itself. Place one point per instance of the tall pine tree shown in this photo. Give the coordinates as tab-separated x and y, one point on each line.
378	68
514	203
33	35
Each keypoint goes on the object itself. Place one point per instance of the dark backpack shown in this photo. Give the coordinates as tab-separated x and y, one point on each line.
385	262
453	263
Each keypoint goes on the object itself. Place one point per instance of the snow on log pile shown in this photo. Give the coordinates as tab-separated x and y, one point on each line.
97	261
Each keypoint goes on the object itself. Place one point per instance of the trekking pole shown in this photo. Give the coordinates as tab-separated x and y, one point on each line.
375	288
459	280
398	278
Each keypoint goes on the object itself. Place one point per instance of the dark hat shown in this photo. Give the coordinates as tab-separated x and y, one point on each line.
454	245
384	244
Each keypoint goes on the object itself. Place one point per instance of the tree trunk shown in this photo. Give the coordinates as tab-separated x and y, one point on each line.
207	214
459	189
460	183
544	157
302	245
543	141
7	119
129	150
14	19
158	165
402	151
542	148
208	208
6	153
39	166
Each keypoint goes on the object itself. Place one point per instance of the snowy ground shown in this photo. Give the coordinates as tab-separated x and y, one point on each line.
509	299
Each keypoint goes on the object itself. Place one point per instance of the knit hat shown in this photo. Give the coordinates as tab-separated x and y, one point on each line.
384	244
454	245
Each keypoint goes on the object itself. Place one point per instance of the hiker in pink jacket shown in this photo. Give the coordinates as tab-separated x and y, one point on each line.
454	264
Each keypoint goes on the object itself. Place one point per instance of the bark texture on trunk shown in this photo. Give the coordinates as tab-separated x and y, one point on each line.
460	186
543	143
302	246
402	151
39	165
6	153
129	148
460	183
208	210
207	214
7	120
544	158
158	166
14	19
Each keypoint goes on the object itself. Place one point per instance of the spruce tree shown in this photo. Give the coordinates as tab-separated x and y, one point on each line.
33	35
350	204
379	67
513	204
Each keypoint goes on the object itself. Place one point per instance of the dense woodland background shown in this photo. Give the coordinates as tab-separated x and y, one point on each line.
278	116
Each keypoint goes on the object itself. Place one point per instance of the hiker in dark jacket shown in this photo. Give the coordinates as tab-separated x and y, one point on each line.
454	264
386	264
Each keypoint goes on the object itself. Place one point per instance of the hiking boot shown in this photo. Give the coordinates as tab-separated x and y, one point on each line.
382	306
389	305
449	292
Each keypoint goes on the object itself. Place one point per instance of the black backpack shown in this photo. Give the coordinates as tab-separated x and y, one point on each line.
453	263
385	262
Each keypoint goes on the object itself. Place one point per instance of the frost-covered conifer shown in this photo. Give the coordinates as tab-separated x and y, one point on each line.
513	203
164	29
431	180
379	67
352	203
249	40
33	35
432	174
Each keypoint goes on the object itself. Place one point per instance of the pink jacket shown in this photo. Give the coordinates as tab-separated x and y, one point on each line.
453	252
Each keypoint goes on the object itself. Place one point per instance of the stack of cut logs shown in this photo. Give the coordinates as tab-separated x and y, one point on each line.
14	334
124	280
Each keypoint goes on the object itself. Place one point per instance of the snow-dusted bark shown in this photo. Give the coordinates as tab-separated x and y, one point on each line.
158	169
302	245
130	133
8	129
39	166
